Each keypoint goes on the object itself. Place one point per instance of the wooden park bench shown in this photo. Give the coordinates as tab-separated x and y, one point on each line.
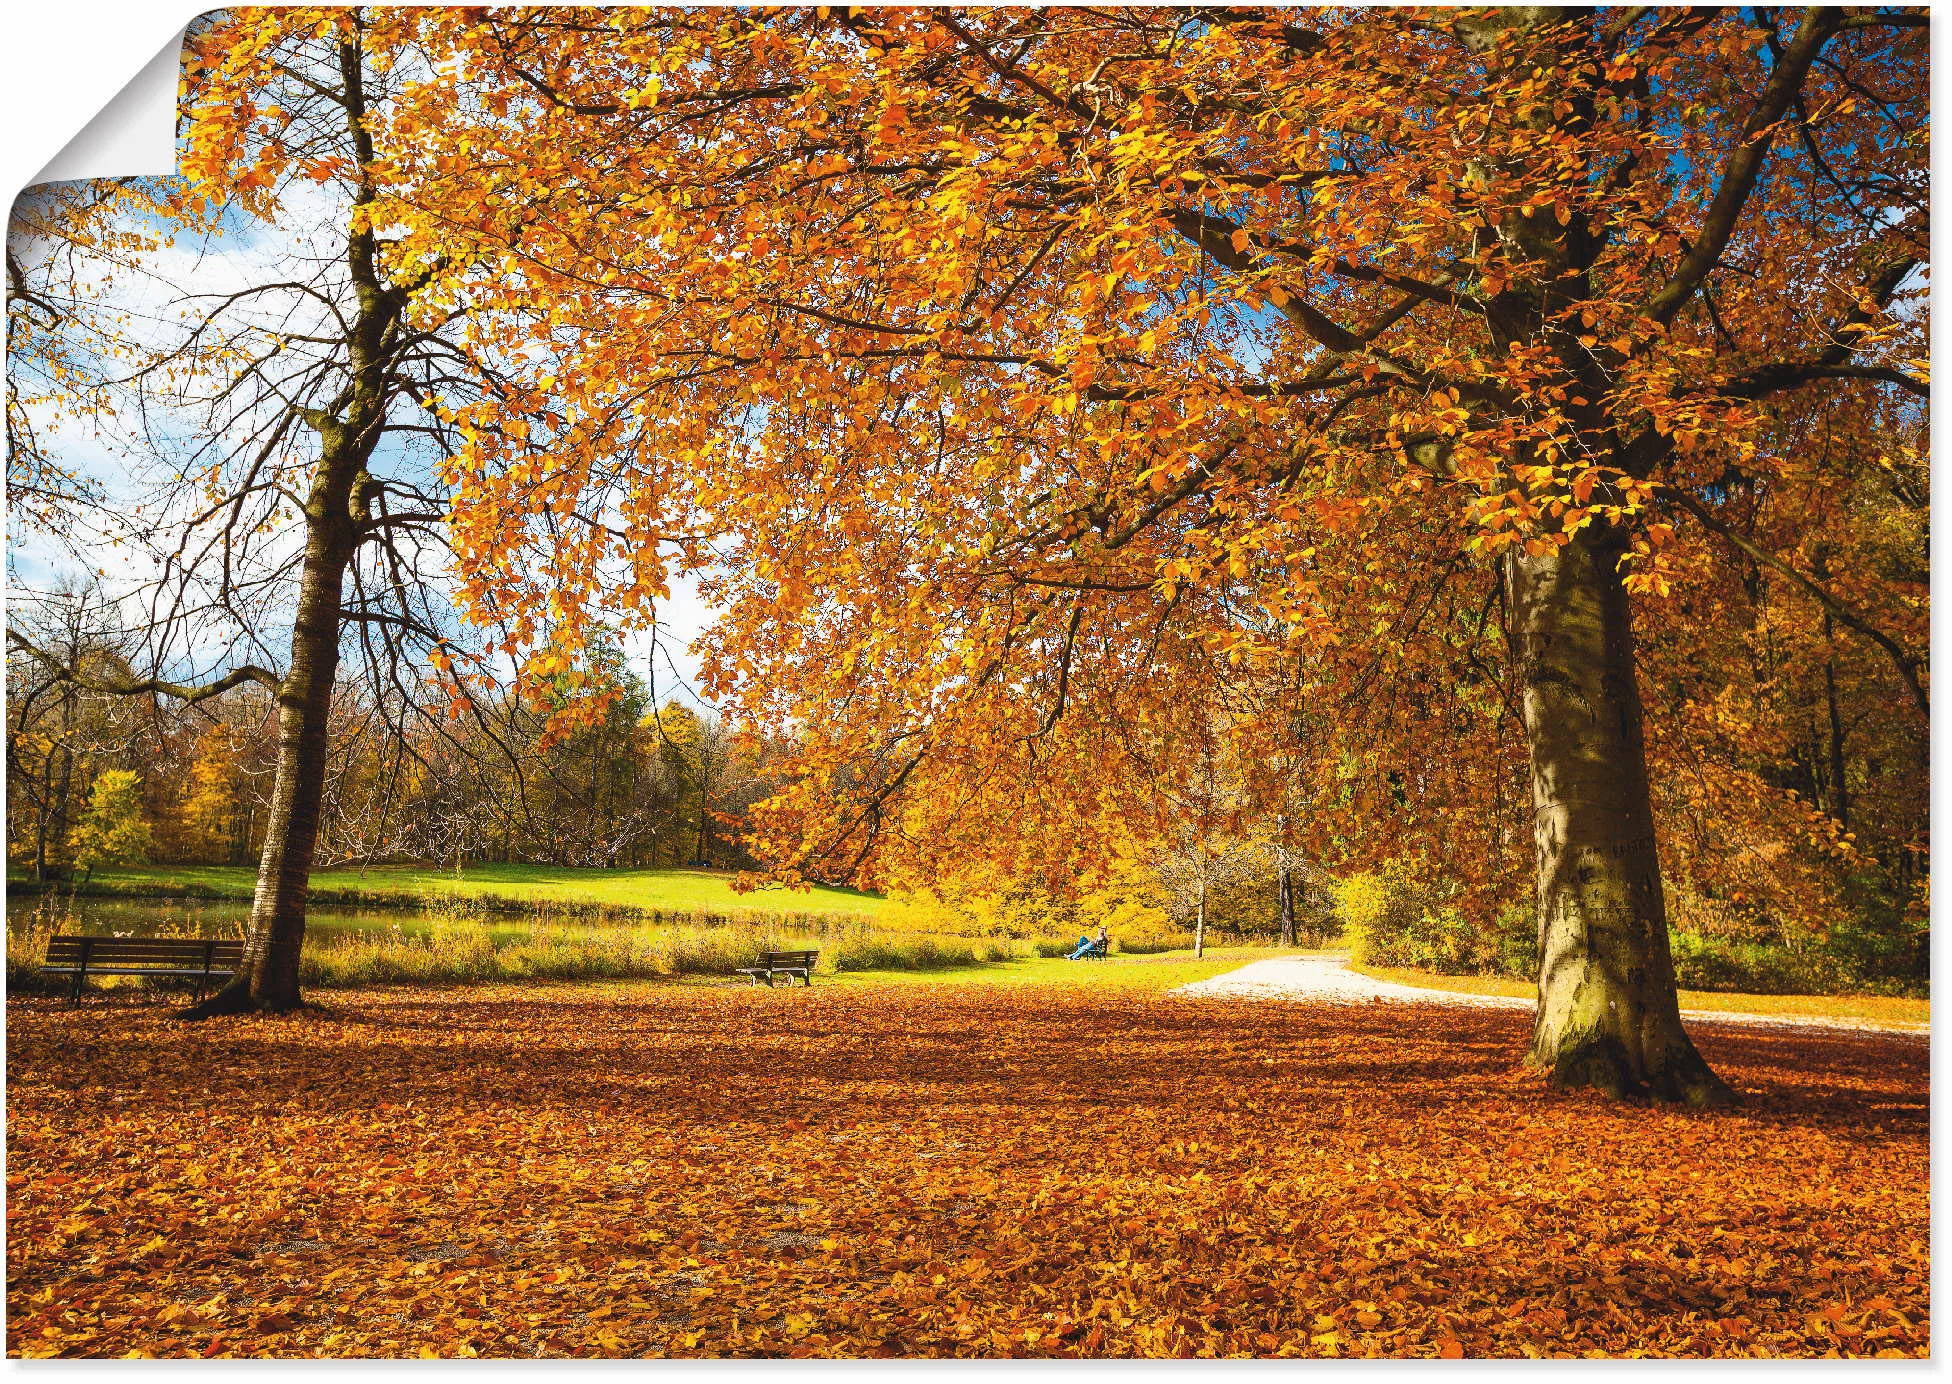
782	963
1097	949
181	958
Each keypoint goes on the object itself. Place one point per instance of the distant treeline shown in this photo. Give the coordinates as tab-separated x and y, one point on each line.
632	785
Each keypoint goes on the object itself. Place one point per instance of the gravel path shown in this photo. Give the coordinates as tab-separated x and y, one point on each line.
1328	980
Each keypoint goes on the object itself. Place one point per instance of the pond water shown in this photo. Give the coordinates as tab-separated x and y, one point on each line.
213	918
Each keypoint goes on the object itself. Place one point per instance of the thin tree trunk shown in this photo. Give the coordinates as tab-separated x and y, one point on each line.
1199	925
64	804
1608	1014
44	819
1839	790
62	808
1284	888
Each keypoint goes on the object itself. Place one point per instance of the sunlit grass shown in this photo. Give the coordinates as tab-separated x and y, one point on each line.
668	891
1871	1008
1162	971
440	947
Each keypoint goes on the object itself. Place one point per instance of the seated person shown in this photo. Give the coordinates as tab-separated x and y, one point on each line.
1084	945
1101	944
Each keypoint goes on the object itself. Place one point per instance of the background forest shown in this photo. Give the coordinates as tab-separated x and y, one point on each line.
1824	890
640	786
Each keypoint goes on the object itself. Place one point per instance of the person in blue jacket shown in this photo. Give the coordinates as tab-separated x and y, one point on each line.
1087	943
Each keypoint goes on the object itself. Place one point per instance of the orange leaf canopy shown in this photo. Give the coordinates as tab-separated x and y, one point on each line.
1039	393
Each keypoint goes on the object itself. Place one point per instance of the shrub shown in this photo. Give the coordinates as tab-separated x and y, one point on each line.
26	950
1394	916
1868	946
112	830
708	951
1762	968
1144	941
1771	968
1318	923
895	953
459	950
1517	940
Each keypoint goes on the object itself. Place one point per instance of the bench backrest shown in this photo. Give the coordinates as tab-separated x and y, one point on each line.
788	958
218	953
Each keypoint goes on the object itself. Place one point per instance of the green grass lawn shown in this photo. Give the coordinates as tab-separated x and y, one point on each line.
1166	970
671	891
1870	1008
691	892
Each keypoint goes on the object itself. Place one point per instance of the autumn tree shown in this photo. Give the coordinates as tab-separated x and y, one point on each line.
67	244
210	807
979	346
601	793
59	736
703	760
277	407
112	830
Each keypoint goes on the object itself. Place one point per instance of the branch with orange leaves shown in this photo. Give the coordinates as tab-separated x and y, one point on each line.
1908	664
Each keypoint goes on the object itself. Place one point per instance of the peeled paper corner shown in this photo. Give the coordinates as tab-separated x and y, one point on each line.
134	135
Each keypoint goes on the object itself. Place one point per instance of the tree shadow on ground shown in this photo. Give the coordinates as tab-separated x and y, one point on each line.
693	1052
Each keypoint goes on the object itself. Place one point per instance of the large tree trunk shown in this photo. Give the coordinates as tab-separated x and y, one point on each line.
267	979
1608	1013
336	514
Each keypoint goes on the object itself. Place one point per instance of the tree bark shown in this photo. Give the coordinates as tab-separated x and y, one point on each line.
267	978
1199	925
1839	789
1284	888
337	513
1608	1014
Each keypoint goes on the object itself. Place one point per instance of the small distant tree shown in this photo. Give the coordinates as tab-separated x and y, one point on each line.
209	812
698	754
58	734
1205	845
112	830
1204	860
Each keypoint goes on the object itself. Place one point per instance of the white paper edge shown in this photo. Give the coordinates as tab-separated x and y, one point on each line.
134	135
